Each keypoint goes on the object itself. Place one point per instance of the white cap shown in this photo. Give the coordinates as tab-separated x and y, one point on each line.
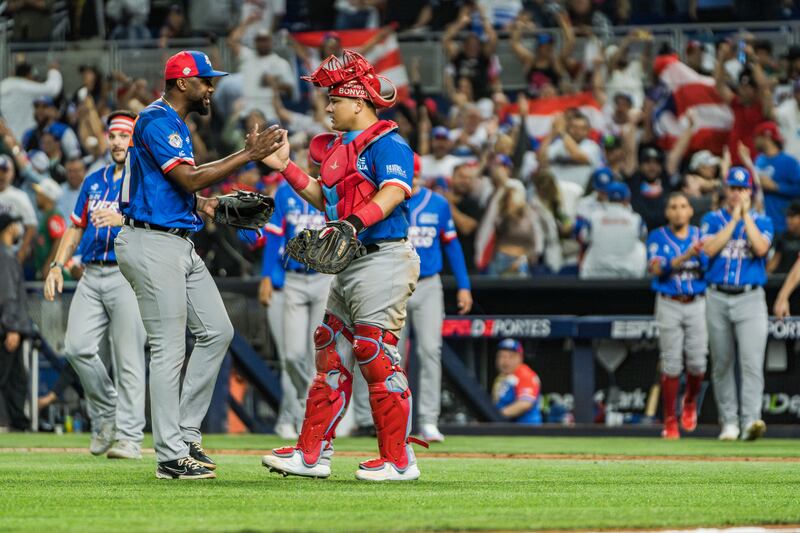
49	188
703	158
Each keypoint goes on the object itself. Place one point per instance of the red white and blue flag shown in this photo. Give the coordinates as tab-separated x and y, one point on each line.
687	89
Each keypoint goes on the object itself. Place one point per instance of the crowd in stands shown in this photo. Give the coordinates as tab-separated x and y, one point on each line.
574	194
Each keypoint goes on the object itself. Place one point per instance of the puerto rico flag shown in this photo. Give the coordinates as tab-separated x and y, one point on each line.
542	112
384	55
684	89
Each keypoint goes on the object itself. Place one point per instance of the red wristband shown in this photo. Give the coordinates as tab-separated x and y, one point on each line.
298	179
369	214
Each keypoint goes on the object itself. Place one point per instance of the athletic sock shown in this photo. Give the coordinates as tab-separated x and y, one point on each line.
693	384
669	395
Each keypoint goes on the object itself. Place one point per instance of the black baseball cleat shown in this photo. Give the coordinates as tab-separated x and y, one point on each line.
184	468
197	453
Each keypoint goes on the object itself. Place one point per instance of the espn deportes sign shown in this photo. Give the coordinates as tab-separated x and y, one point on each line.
595	327
497	327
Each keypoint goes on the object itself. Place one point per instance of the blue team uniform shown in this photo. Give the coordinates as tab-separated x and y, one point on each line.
784	170
292	215
432	229
735	265
388	160
687	280
161	141
522	384
98	191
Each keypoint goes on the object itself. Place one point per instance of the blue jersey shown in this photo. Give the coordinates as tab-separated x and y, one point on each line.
432	229
387	161
161	141
663	246
784	170
522	384
291	216
99	191
736	265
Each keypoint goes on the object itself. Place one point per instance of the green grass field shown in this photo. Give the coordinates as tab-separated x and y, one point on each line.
59	491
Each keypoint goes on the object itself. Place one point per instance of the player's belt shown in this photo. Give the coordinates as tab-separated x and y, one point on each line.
733	289
101	263
376	246
180	232
682	298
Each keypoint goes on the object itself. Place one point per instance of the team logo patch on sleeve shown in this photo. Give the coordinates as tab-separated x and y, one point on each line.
175	140
397	170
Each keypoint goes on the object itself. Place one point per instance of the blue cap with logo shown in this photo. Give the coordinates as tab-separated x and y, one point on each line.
739	177
602	178
510	344
440	132
618	192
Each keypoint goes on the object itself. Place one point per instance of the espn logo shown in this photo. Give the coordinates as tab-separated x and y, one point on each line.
634	329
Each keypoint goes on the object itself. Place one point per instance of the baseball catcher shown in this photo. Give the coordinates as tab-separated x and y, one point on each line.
363	188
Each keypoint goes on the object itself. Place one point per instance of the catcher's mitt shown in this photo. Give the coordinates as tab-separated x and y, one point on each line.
328	250
244	209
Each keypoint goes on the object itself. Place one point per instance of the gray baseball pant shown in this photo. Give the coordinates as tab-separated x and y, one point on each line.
104	300
304	308
174	289
737	321
275	322
425	315
682	330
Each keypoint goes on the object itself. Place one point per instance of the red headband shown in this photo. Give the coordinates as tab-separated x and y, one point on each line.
122	124
352	77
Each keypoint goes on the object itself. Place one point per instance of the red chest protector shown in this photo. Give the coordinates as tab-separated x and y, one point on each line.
344	187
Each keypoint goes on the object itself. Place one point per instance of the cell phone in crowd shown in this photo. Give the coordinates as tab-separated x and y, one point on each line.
742	54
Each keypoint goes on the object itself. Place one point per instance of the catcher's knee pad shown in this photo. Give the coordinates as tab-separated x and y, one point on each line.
329	393
389	395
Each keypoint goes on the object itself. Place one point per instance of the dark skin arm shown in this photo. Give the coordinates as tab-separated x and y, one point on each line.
257	146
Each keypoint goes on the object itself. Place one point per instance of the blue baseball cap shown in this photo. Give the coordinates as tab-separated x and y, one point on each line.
510	344
602	178
440	132
618	191
739	177
544	38
190	64
46	100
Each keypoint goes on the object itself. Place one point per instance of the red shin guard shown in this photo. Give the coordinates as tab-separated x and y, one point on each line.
669	395
329	393
389	395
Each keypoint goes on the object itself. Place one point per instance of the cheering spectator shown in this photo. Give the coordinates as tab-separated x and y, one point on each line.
650	188
627	76
15	203
14	323
261	69
702	184
129	18
779	173
45	114
467	211
694	57
751	103
51	226
355	14
18	92
473	135
175	26
510	238
75	172
548	206
544	70
516	391
501	13
439	164
471	62
788	116
571	154
787	244
587	20
614	238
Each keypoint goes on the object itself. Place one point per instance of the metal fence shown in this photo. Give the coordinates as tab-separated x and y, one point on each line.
146	59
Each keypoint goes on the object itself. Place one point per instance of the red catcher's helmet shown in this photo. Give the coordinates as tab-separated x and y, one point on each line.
353	77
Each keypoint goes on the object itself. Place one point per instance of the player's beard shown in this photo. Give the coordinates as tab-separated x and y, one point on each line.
199	107
119	157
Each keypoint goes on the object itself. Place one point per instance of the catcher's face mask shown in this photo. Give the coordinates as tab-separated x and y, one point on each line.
354	77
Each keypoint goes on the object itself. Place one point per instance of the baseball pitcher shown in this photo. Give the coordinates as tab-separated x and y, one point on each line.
172	284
